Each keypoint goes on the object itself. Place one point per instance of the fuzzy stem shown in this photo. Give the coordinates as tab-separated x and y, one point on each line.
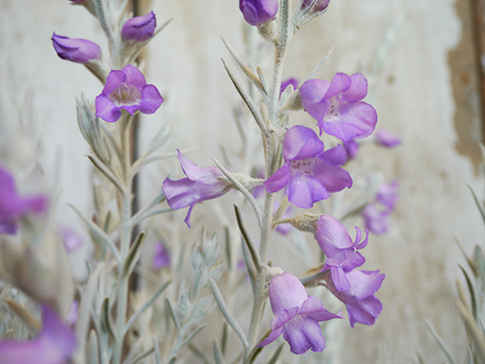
126	231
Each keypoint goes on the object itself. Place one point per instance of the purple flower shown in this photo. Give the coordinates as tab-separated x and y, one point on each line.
386	139
77	1
290	81
140	28
376	214
202	184
352	148
337	108
363	306
320	5
309	174
75	50
257	12
72	240
13	207
126	89
296	315
340	250
161	258
54	344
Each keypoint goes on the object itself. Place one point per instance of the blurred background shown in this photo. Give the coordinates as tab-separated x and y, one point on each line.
423	60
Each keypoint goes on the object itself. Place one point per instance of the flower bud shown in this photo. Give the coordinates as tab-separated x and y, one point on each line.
257	12
139	28
320	5
75	50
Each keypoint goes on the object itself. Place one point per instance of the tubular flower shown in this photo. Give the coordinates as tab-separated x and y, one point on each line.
337	108
376	214
54	344
309	174
75	50
140	28
362	304
296	315
257	12
13	207
126	89
340	250
202	184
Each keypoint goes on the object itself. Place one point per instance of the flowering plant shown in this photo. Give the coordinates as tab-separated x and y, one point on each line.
127	311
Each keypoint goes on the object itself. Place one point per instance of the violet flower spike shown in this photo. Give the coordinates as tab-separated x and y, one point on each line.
362	304
386	139
13	207
340	250
54	344
257	12
139	28
296	315
309	174
337	108
75	50
202	184
126	89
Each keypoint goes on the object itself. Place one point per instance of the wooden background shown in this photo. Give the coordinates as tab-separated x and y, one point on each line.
427	91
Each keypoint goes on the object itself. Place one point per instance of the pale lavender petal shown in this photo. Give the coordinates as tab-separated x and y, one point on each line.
187	218
301	143
332	232
106	109
314	309
386	138
312	94
339	279
304	190
340	83
333	177
337	155
272	337
161	258
180	193
150	99
304	334
286	291
364	283
364	311
114	80
357	90
75	50
278	179
283	316
387	195
352	148
356	120
134	76
375	220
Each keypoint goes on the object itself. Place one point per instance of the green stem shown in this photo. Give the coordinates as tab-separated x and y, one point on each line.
126	231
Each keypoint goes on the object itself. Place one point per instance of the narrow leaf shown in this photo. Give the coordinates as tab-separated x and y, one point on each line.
471	290
479	205
440	341
105	170
473	330
98	234
247	239
249	102
106	321
218	357
158	358
173	314
24	315
133	254
276	355
225	312
315	71
146	305
263	79
245	68
192	335
252	201
93	349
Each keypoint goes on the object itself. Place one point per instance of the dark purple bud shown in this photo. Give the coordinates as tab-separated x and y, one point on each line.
290	81
320	5
75	50
140	28
257	12
77	1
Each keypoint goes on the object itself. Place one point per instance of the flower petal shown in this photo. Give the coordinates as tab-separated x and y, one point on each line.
312	94
340	83
113	81
106	109
285	292
134	76
301	143
303	334
278	179
150	99
314	309
333	177
304	190
357	90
